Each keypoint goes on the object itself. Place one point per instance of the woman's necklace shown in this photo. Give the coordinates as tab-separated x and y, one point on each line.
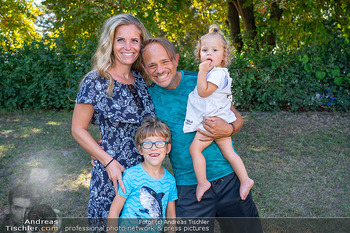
129	79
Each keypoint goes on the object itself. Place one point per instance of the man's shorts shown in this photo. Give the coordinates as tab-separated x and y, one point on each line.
221	201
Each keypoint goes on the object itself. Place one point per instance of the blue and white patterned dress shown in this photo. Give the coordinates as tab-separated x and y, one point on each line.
118	118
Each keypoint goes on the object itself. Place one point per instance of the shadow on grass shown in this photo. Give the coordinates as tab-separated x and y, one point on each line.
299	161
38	148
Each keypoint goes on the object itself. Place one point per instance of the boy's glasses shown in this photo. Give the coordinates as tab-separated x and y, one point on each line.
136	96
158	144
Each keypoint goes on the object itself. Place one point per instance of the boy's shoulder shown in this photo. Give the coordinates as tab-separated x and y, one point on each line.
134	169
168	175
137	171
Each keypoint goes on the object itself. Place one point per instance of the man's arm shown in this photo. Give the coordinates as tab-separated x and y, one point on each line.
237	123
217	128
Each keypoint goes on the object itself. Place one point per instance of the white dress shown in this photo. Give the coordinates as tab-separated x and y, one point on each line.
217	104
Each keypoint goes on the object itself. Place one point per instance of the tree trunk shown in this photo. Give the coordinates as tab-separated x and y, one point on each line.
235	29
275	17
247	15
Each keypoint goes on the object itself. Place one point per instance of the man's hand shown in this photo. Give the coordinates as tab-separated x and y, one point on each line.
215	128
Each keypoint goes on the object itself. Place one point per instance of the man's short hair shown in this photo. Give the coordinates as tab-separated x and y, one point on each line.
167	45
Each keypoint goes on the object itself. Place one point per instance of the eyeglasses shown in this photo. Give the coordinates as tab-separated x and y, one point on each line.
149	145
136	96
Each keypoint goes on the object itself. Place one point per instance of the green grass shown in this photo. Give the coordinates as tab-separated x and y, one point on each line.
299	161
41	141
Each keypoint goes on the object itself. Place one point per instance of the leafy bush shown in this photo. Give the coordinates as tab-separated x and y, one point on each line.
312	78
42	74
46	74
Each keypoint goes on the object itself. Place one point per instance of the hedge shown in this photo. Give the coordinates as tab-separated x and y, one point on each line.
311	78
45	74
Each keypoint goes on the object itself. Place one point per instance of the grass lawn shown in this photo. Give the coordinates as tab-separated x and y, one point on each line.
299	161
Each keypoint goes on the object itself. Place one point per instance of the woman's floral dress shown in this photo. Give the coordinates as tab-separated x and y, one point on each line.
118	118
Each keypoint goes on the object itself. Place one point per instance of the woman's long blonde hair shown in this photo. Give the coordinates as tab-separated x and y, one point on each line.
104	57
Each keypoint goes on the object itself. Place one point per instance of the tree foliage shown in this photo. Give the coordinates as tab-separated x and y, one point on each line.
310	22
266	22
295	23
17	18
177	20
289	54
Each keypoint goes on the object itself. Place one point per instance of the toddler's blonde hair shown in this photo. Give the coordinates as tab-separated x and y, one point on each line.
214	30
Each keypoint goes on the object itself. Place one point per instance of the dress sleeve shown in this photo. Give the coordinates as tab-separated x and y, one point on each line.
120	107
89	89
217	77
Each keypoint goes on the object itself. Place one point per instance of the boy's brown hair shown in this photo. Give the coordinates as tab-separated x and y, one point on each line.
152	126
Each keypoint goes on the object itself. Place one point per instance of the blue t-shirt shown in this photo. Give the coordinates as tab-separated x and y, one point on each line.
170	106
146	197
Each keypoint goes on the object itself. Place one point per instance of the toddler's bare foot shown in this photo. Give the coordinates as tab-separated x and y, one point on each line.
245	188
201	189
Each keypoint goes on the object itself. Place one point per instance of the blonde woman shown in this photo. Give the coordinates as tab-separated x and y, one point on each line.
113	96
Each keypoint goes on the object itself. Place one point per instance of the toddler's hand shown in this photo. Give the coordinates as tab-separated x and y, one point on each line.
205	66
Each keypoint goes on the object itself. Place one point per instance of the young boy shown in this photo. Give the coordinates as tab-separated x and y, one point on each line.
150	189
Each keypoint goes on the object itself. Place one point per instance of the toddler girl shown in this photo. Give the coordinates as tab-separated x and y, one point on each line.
210	98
